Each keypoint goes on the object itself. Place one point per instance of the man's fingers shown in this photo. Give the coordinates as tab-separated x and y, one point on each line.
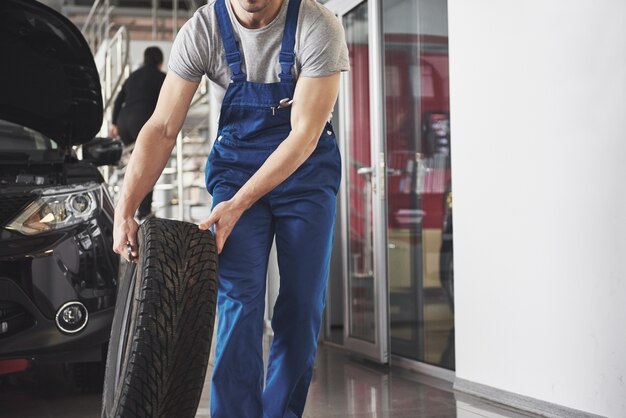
223	223
125	242
132	245
132	249
122	251
219	242
129	254
208	222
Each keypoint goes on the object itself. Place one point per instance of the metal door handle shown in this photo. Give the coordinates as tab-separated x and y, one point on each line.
365	170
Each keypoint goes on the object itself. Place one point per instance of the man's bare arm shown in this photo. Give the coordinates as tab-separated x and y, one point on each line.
312	104
152	150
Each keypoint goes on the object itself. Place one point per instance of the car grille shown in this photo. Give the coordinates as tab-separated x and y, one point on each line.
12	204
13	319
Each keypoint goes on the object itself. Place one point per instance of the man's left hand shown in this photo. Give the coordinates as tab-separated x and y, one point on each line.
224	216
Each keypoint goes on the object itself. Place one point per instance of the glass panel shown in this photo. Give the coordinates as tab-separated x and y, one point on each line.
418	179
359	180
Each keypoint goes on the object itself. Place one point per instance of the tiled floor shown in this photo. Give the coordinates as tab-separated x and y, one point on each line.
342	387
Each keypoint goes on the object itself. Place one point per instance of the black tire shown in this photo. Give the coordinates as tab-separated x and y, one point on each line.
163	324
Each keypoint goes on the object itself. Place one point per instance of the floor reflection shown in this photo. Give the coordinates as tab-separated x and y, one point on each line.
342	386
346	387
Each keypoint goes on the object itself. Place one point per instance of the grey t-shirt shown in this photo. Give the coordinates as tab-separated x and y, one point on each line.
320	46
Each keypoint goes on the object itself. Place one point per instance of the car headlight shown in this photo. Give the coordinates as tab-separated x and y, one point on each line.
59	207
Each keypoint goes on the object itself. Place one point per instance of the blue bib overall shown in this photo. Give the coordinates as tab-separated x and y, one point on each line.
299	214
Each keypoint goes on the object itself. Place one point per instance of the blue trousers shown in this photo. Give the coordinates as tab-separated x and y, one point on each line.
302	222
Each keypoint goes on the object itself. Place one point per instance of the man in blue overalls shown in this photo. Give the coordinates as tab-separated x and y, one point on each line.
273	172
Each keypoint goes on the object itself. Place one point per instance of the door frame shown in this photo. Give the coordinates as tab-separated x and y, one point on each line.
379	349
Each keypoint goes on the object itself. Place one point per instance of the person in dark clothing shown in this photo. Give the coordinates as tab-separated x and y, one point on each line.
135	104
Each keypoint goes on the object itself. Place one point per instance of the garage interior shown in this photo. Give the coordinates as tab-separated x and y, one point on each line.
399	339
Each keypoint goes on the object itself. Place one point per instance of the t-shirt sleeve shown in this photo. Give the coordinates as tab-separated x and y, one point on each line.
190	51
324	51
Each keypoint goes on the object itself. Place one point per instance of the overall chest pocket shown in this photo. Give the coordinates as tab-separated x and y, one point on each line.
256	126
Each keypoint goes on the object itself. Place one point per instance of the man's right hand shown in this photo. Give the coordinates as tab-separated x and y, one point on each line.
125	233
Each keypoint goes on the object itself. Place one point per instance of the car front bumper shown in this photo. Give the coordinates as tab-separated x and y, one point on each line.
40	274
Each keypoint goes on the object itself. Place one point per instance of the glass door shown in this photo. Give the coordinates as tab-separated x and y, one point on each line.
362	208
419	205
396	202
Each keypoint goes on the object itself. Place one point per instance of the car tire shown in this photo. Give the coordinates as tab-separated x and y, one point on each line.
163	324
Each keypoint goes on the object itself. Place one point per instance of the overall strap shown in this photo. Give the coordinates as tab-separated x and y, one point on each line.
231	47
287	57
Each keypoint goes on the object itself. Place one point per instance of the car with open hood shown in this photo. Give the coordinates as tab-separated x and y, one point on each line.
58	273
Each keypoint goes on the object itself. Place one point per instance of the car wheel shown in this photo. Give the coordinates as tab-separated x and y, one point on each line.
163	324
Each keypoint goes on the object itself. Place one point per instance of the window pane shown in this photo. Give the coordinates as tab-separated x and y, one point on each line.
418	160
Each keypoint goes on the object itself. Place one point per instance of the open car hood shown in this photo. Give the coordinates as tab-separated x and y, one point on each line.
48	78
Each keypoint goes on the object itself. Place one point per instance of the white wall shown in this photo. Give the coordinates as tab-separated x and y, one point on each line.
538	94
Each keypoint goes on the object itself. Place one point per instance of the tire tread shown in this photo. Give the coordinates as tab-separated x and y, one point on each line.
175	301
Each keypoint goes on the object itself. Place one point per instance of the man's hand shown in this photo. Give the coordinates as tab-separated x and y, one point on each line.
113	132
224	216
125	233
